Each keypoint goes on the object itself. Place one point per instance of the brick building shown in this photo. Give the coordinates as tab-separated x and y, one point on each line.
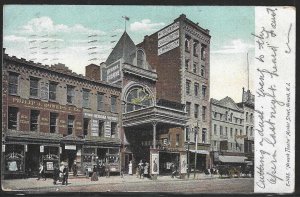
180	54
51	114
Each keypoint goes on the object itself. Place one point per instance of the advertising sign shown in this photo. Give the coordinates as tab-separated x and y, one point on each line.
168	38
154	163
168	47
113	72
70	147
41	149
168	30
183	163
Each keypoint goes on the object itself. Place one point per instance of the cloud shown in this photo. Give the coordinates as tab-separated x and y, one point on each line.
145	25
45	24
235	46
13	38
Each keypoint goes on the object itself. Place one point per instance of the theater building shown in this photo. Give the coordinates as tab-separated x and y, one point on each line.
180	54
227	136
51	114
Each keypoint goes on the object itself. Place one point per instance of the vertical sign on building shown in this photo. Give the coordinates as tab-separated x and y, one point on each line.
113	72
154	163
107	132
274	78
168	39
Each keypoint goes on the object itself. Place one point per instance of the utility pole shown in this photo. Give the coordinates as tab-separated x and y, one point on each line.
248	70
196	149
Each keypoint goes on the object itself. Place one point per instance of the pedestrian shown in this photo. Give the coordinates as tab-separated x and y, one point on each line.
65	175
211	171
41	172
107	170
141	167
74	169
55	174
86	170
146	170
173	170
102	168
61	169
94	176
130	168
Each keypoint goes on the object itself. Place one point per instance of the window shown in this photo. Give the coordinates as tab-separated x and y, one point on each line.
187	65
34	120
203	113
221	130
70	94
85	98
226	115
203	53
52	91
231	132
236	120
13	82
215	144
187	134
215	129
188	87
71	119
204	91
204	130
247	130
226	133
140	58
221	116
195	51
236	132
113	129
187	43
215	114
231	116
113	103
251	118
241	121
241	132
194	68
13	118
100	101
188	108
246	116
101	128
251	131
177	139
202	71
86	124
34	86
138	98
53	122
196	89
196	110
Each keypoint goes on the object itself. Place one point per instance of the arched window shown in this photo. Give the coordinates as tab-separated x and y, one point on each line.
138	98
140	58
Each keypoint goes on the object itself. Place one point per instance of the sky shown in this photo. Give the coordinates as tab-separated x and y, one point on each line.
77	35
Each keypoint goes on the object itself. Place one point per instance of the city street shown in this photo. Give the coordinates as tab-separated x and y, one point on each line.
203	184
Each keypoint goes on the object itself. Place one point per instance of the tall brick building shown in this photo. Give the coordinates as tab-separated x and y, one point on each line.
180	54
51	114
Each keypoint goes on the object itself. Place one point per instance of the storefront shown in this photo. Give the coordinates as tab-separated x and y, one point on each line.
14	160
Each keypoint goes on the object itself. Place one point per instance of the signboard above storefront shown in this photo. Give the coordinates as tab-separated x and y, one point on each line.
70	147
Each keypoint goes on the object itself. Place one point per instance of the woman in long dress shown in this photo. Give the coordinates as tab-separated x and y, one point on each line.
130	168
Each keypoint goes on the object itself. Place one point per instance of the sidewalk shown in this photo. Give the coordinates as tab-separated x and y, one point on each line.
32	183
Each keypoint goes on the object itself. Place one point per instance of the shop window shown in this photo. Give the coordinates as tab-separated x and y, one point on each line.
188	87
52	90
140	58
187	65
195	68
204	113
196	89
13	83
100	101
203	91
196	110
71	119
53	122
101	128
204	131
13	118
177	139
70	94
14	158
202	72
86	125
34	120
34	86
85	98
113	129
113	103
188	108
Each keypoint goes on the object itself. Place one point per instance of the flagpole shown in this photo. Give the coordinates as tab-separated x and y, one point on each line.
248	69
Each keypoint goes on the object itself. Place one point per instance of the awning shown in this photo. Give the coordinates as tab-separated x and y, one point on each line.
200	152
232	159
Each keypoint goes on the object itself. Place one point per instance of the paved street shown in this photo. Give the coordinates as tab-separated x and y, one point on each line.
203	183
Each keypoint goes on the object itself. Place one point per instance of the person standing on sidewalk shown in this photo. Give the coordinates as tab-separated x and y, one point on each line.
141	167
94	175
146	170
107	170
130	168
55	174
41	172
65	175
86	170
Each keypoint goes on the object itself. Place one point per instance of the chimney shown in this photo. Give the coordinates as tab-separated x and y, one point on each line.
93	71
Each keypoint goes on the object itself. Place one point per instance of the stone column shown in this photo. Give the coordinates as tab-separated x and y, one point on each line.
154	123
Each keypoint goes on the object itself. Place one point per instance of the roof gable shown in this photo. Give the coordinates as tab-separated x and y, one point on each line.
229	103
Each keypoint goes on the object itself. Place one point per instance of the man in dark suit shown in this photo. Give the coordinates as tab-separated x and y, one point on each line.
65	175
